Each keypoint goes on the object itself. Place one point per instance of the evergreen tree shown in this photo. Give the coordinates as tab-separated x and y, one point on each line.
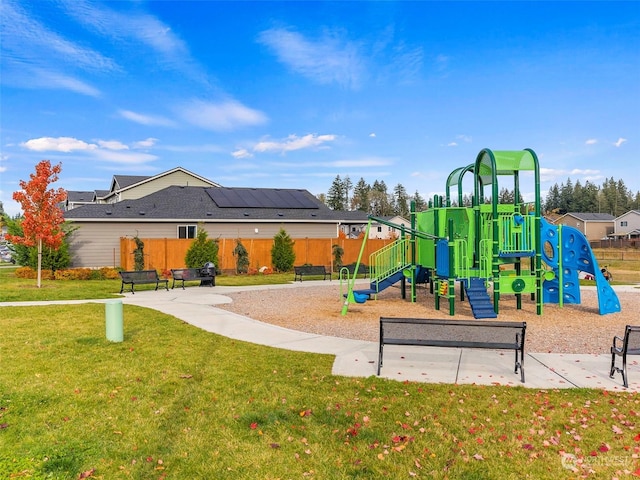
242	257
202	250
401	201
552	201
360	200
590	198
347	185
379	200
505	196
335	195
282	254
566	196
419	201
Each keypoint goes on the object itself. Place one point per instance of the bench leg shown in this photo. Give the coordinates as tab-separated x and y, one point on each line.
520	365
122	287
622	370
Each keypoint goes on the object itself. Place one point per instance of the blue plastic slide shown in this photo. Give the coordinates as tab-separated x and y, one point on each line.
567	252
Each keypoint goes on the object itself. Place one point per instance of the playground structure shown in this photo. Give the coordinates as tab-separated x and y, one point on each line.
488	250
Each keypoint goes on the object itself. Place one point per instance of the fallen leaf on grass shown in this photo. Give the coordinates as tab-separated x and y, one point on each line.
87	474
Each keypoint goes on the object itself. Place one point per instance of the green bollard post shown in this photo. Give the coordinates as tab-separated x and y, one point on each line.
113	319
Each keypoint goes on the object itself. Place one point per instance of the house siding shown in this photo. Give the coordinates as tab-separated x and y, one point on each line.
591	229
97	243
152	186
633	222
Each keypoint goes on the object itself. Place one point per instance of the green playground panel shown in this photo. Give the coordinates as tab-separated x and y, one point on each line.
517	283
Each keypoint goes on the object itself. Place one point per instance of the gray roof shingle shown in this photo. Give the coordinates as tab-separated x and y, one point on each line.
194	203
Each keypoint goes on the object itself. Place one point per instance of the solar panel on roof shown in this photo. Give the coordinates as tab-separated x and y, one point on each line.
260	198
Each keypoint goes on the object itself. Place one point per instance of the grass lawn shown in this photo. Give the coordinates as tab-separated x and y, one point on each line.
175	402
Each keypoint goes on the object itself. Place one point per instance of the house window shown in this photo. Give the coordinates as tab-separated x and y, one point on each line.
186	231
380	229
623	223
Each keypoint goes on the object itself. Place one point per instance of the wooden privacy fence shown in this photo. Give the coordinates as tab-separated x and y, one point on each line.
166	253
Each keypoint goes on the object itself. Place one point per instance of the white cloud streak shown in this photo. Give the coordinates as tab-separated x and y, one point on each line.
144	119
223	116
331	59
138	28
620	141
293	142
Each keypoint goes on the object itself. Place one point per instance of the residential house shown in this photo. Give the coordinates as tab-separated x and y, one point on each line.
594	226
130	187
178	211
383	231
627	225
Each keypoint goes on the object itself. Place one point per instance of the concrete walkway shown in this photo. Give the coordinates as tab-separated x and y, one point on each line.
197	306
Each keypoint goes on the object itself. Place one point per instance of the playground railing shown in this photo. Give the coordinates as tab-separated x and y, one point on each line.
516	234
485	259
389	260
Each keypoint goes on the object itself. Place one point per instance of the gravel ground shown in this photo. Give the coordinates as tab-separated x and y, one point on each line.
570	329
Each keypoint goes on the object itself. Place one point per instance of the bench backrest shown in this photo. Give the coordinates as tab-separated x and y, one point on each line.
310	269
632	339
434	331
139	275
185	273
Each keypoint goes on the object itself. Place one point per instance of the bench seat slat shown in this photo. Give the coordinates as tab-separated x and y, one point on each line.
449	343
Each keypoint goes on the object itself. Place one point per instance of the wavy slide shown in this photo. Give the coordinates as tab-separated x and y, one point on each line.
568	249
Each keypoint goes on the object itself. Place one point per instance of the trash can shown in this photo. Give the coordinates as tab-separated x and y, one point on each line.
208	274
113	320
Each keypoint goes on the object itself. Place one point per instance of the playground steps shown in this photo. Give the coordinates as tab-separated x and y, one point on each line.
479	299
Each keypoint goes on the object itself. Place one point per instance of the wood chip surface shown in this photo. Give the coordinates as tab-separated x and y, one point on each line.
572	328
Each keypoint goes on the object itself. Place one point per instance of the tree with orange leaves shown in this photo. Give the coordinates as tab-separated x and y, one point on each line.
43	217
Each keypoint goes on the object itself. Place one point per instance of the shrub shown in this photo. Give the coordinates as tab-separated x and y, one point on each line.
202	250
338	252
242	257
104	273
138	254
282	254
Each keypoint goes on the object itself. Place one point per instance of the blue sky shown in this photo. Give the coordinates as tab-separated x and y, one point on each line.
291	94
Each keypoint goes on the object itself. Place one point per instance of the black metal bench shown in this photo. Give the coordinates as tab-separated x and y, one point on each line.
629	345
207	276
310	271
351	269
138	277
454	333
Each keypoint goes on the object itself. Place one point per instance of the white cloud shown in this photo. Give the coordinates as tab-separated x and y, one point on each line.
110	151
293	142
112	145
59	144
223	116
148	143
331	59
42	78
591	141
372	135
141	27
452	144
32	44
242	153
150	120
620	141
124	157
